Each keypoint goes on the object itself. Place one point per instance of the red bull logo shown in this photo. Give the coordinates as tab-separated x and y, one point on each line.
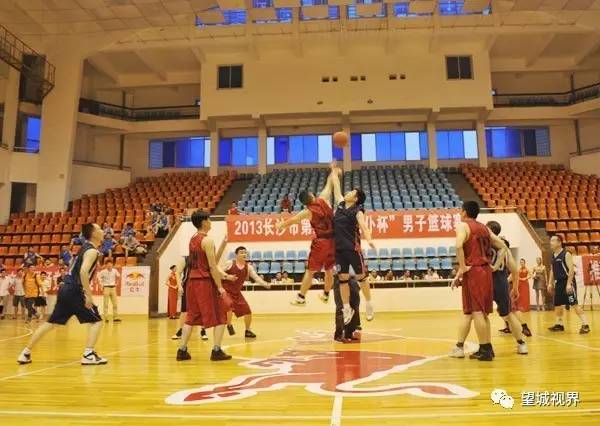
330	373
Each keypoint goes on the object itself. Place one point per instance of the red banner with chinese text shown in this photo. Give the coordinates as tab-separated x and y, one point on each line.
590	266
383	224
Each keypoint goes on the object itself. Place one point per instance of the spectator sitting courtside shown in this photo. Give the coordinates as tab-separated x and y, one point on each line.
389	275
286	205
277	279
233	209
406	276
286	279
431	275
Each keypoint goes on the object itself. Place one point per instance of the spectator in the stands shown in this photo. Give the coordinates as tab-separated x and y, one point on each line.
233	209
453	272
133	247
277	279
65	255
389	276
128	231
108	245
373	276
431	275
108	230
48	263
79	240
286	279
163	225
60	280
286	206
31	257
406	276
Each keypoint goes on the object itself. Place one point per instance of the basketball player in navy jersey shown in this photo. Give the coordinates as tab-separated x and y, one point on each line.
348	223
562	281
75	298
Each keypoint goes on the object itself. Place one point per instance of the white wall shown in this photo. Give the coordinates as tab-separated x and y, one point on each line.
589	133
436	298
93	180
24	167
586	164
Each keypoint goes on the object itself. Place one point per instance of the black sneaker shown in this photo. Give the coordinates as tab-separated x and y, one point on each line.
526	331
557	327
480	353
219	355
117	320
249	335
183	355
486	356
585	329
203	335
505	330
230	329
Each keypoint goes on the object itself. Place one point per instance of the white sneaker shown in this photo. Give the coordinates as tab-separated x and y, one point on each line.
175	337
370	313
324	297
93	358
348	314
24	358
522	348
457	352
298	301
203	334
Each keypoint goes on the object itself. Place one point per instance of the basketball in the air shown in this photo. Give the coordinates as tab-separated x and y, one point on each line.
340	139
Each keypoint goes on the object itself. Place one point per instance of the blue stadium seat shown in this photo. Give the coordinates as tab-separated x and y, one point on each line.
442	251
396	253
371	254
230	255
302	255
263	268
256	256
446	263
419	252
384	265
373	265
275	267
410	264
448	204
422	264
407	252
288	267
267	256
435	263
438	205
452	251
279	256
290	255
384	253
397	265
430	252
299	267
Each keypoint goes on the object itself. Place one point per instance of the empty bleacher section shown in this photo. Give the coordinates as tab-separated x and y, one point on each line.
414	259
567	203
387	188
47	232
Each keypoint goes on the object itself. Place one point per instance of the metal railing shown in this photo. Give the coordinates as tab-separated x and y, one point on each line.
12	50
548	99
90	106
26	150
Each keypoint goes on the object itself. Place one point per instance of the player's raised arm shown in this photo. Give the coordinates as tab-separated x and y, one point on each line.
297	218
362	224
336	185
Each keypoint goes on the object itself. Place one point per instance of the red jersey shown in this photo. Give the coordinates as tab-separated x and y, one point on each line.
322	218
478	246
241	275
198	261
233	210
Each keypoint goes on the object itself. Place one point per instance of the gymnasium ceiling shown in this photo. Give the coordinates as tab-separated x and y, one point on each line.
158	39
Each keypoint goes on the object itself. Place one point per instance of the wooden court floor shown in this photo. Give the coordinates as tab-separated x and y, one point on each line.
295	374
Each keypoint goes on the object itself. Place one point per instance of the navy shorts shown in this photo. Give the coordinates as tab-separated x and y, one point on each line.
501	293
40	301
344	259
183	301
561	297
69	302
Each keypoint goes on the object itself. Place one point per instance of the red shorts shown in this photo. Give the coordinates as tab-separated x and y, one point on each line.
205	306
239	305
322	255
478	290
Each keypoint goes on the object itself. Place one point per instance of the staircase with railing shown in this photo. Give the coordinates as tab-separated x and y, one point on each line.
13	50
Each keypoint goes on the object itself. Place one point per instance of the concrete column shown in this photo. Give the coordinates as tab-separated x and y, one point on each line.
347	163
481	145
58	133
214	152
262	149
432	142
11	107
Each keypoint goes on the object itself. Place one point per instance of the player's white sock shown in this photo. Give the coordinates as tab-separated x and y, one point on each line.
346	307
27	351
583	318
88	351
368	304
559	320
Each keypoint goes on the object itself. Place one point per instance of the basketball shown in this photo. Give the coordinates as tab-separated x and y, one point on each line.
340	139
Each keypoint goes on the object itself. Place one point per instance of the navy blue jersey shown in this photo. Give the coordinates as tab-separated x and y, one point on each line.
559	266
73	279
345	227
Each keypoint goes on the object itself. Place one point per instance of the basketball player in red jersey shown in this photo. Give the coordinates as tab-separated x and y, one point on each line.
474	244
322	249
204	292
241	270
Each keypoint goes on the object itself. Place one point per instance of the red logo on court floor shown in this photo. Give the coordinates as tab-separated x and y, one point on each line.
345	373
